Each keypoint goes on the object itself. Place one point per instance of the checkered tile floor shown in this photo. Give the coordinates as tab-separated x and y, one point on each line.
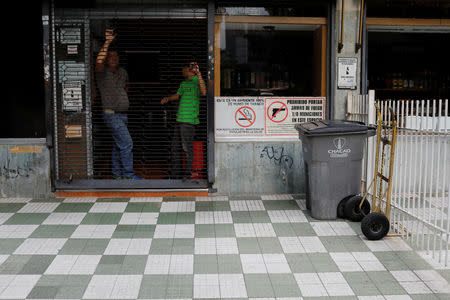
208	247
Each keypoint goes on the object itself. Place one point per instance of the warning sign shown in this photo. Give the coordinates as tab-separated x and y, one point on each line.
245	116
260	117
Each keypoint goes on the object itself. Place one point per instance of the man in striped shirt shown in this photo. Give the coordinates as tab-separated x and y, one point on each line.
188	95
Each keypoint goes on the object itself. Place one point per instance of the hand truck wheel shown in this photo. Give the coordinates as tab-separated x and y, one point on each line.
375	226
340	208
352	211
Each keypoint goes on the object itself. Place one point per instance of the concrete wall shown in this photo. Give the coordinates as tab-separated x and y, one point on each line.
259	168
24	168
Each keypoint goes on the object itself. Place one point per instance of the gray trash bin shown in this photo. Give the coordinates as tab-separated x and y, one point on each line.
333	152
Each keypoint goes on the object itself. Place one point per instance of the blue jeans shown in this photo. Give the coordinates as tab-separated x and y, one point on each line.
122	152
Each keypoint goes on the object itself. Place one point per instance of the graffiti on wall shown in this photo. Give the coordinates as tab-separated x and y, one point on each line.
277	155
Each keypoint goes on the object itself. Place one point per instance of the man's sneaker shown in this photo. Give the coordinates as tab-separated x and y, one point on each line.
134	177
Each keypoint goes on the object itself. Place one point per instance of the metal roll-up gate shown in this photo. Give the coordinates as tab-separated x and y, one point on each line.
153	46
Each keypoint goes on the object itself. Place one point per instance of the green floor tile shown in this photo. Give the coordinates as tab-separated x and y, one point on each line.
333	243
27	219
224	230
161	246
229	264
413	260
84	246
178	199
53	231
284	285
300	263
248	245
143	207
269	245
185	218
124	232
258	286
180	287
101	218
110	264
361	284
44	292
323	262
284	229
8	246
259	217
133	265
11	207
221	206
303	229
203	206
153	287
354	244
14	264
144	231
167	218
391	261
427	297
386	283
183	246
113	199
205	264
37	264
74	207
241	217
244	197
280	204
204	231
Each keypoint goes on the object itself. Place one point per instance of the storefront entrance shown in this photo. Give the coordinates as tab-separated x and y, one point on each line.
153	51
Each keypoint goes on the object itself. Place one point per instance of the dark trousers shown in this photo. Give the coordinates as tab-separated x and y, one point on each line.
182	141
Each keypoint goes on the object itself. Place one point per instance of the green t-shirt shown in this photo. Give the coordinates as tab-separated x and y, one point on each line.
188	107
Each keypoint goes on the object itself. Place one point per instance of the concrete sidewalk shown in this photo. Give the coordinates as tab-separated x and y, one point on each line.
204	247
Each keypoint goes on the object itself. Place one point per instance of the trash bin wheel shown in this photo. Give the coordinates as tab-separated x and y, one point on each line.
352	211
375	226
341	205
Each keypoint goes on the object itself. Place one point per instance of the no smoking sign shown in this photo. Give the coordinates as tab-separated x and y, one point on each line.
245	116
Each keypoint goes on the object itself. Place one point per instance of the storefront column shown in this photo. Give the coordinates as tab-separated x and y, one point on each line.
351	25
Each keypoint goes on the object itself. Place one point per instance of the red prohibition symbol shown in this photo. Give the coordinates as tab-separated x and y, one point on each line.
245	115
272	112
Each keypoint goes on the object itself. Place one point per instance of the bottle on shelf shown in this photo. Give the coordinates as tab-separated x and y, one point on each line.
400	81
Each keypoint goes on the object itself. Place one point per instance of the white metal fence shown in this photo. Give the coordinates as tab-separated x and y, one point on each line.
420	205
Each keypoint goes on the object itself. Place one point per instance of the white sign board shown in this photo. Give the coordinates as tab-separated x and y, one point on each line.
264	118
347	72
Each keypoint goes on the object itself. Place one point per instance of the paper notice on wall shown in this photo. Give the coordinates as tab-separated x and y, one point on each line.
72	96
264	117
347	67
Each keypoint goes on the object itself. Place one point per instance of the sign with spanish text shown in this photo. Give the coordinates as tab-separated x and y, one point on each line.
262	118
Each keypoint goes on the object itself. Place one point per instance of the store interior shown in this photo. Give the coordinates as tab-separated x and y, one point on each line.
409	65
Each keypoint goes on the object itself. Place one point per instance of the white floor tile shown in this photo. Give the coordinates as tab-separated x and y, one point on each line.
181	264
226	246
4	217
73	265
276	263
80	200
146	199
38	207
108	207
94	231
64	219
37	246
157	264
253	263
126	287
206	286
312	244
232	286
17	286
291	245
16	231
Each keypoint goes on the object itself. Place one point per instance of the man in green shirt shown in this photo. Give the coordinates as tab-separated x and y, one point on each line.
188	95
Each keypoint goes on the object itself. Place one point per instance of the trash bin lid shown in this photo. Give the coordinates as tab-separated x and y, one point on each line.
325	127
